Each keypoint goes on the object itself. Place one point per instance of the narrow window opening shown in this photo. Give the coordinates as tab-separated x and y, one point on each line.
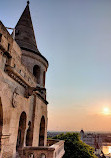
29	135
8	47
42	132
36	73
21	131
0	37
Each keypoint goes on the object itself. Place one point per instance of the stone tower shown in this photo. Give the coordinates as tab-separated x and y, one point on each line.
23	104
31	57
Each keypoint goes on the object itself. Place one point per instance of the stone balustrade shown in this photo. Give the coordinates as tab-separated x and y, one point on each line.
54	149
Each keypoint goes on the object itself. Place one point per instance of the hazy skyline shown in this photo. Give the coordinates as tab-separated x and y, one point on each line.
75	37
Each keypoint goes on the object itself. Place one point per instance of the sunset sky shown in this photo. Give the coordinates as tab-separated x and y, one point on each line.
75	37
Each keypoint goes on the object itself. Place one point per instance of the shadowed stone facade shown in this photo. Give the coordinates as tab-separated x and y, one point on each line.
23	105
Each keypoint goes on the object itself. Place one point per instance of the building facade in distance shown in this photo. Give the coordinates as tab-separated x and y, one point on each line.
23	104
92	139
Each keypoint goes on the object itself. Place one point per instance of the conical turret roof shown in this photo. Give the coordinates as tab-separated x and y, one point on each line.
24	32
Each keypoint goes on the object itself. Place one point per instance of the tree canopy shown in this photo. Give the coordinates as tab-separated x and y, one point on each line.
74	147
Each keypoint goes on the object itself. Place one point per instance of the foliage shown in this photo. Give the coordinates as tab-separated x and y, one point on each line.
74	147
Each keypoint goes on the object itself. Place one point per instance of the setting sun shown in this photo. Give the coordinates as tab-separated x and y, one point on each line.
106	111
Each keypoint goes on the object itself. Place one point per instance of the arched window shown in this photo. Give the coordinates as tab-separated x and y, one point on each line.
42	131
1	121
29	135
36	73
44	79
21	131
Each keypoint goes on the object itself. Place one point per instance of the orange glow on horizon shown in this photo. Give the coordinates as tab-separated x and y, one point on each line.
93	116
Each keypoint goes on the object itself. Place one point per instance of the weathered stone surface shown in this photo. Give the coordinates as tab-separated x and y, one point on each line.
15	78
23	105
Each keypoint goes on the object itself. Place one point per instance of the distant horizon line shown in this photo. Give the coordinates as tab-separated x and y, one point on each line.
79	131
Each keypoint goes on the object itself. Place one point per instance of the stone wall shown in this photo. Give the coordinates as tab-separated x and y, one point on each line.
15	78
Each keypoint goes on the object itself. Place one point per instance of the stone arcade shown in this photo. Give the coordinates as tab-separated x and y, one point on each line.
23	105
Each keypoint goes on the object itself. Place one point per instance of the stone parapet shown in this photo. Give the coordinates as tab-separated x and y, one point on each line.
56	150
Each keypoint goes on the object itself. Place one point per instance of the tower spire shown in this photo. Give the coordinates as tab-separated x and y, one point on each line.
28	2
24	32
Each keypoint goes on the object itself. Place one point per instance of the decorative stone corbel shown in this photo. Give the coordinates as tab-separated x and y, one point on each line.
29	90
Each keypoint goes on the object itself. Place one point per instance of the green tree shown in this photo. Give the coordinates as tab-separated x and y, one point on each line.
74	147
